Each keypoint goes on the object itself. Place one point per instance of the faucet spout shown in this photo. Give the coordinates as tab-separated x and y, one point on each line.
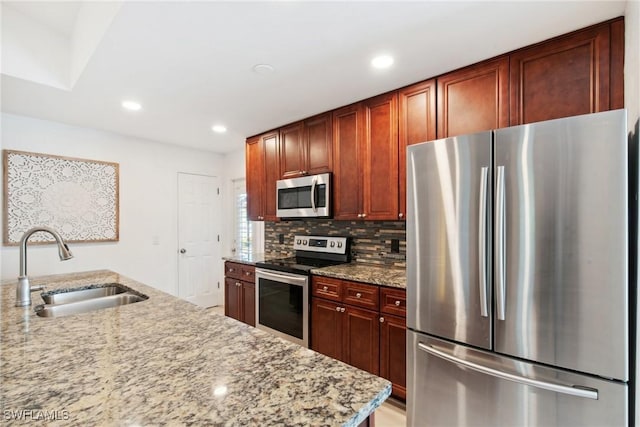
23	290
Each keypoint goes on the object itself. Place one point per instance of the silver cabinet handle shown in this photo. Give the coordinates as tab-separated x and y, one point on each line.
358	295
482	241
558	388
397	303
325	288
382	320
342	309
500	243
313	195
364	215
359	215
238	284
337	308
400	215
183	250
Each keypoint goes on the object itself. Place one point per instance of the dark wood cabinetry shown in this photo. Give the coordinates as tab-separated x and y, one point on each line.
352	322
262	172
416	123
365	145
474	99
240	292
305	147
567	76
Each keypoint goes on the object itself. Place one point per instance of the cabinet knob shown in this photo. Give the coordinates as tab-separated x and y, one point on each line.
342	309
238	284
401	215
397	303
359	215
231	270
358	295
338	309
381	319
247	273
364	215
325	288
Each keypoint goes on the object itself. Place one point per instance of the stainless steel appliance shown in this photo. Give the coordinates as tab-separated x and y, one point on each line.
304	197
282	285
517	269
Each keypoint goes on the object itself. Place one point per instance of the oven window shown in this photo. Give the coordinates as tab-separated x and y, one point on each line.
281	307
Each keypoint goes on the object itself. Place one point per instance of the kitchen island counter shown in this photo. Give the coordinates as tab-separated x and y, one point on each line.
165	361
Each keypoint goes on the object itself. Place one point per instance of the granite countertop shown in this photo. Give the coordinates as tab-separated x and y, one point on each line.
165	361
246	258
392	277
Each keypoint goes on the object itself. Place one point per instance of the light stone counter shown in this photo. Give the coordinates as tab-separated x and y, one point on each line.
392	277
164	361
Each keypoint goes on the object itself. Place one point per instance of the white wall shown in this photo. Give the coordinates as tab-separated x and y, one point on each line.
632	103
148	199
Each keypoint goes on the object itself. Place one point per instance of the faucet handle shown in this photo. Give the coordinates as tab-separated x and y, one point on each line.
38	288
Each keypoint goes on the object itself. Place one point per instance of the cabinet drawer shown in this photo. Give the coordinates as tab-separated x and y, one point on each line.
326	287
393	301
248	273
232	269
360	295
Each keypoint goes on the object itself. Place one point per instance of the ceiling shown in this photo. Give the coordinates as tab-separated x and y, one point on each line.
190	63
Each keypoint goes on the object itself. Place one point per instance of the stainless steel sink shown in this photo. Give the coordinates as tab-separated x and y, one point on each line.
73	295
66	302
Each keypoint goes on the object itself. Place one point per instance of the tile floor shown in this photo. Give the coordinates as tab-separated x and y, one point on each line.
392	413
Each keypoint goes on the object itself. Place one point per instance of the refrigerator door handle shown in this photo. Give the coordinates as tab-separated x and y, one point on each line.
482	242
572	390
500	244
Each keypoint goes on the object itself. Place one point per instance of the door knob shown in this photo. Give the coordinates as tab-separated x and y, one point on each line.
183	250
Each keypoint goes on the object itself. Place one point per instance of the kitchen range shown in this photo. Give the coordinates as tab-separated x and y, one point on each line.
282	285
518	274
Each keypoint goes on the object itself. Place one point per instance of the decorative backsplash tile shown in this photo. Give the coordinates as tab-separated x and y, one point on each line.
370	244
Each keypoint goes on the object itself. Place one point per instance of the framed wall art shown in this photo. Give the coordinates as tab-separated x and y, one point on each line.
78	198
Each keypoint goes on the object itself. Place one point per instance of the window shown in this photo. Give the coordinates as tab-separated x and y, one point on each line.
247	235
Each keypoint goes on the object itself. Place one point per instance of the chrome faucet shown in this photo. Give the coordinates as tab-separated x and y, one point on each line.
24	289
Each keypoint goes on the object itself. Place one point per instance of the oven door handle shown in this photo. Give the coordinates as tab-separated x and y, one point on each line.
293	279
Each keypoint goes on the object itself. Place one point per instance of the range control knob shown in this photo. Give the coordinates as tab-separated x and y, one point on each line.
304	242
339	244
332	244
298	241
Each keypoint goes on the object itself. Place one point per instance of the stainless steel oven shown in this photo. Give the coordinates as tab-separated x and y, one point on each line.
304	197
282	285
282	304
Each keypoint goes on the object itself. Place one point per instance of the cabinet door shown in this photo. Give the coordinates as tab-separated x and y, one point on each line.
347	129
248	299
380	148
326	328
393	353
361	334
567	76
474	99
232	307
255	178
417	123
271	174
318	138
292	153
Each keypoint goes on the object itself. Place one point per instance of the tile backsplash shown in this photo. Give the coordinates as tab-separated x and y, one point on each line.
371	240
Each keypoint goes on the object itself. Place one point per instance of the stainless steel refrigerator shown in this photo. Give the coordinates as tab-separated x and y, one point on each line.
518	271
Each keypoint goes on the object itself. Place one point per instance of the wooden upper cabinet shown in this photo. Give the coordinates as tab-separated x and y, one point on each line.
567	76
292	153
347	129
255	178
417	123
380	149
305	147
474	99
262	171
318	134
271	173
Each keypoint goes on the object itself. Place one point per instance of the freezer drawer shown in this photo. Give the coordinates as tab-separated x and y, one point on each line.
453	385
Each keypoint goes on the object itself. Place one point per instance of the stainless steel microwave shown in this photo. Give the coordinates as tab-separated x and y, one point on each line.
304	197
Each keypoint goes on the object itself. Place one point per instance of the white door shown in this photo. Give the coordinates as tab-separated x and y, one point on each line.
199	254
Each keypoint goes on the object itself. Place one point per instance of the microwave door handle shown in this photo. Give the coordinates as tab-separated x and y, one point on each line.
313	194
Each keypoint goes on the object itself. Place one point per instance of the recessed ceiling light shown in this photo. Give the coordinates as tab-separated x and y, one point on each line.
382	61
131	105
263	68
219	129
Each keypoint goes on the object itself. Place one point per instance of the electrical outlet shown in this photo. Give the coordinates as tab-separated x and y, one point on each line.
395	246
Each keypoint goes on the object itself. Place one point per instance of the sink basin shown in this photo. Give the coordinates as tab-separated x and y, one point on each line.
73	295
86	305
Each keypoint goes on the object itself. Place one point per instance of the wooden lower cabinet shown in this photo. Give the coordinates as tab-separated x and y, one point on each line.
358	333
239	293
393	353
